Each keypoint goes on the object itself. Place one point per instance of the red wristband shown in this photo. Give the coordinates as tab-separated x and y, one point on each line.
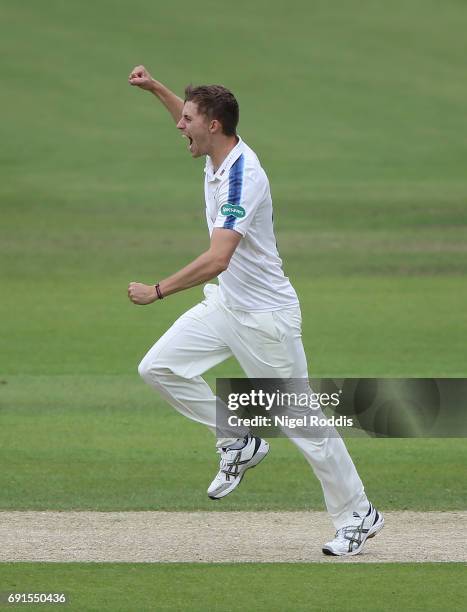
159	292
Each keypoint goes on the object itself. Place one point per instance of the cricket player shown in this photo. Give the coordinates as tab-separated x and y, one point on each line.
252	313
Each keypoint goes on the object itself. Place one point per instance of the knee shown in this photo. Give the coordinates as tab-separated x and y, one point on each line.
144	370
151	371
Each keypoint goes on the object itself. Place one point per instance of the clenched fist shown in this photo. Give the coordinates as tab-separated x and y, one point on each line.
140	77
142	294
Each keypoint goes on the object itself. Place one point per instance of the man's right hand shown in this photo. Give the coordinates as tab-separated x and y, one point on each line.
140	77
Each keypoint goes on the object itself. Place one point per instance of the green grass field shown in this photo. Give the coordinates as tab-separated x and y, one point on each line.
357	110
279	587
108	443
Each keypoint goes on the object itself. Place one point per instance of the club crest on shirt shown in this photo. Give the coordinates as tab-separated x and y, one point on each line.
233	210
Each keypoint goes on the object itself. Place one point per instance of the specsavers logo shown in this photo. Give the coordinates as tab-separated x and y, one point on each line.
234	210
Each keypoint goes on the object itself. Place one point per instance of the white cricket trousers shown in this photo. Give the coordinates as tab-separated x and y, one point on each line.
267	345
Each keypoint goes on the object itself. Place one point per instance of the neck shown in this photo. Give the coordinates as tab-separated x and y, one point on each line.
221	150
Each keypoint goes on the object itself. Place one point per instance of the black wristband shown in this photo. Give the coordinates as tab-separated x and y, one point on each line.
159	292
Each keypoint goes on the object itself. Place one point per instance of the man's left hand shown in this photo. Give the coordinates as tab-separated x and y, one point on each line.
142	294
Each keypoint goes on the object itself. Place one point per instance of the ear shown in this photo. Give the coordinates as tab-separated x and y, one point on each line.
215	126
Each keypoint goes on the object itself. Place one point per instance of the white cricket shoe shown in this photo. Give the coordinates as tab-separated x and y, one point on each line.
350	540
233	465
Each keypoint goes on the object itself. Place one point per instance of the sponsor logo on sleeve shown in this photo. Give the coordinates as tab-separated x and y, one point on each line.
233	210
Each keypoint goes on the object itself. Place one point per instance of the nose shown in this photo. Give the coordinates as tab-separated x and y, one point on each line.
181	124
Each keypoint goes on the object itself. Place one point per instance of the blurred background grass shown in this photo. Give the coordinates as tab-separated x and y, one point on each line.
357	111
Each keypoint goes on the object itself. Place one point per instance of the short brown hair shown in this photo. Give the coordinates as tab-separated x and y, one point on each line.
216	102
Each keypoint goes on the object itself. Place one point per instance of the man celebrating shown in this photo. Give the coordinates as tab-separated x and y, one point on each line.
252	314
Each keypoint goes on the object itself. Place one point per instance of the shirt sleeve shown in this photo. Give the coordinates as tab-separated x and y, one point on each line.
239	198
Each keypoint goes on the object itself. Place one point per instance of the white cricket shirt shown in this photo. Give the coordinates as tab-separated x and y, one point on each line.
238	198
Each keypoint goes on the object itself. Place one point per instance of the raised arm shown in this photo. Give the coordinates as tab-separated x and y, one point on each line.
140	77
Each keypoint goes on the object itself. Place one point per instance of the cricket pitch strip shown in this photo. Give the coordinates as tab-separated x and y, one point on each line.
216	537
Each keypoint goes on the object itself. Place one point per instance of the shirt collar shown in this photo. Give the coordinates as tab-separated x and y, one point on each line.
226	164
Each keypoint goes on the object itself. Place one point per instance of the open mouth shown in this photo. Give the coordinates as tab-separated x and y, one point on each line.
190	141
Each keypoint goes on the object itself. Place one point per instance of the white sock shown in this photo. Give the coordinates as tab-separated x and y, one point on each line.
240	443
